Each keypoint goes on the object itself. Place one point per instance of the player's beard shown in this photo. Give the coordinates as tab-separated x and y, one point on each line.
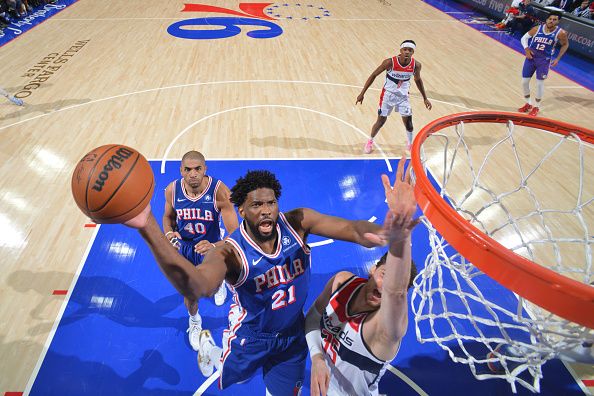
258	235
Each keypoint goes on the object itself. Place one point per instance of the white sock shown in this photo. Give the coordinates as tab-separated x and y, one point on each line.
215	357
526	89
409	136
539	90
195	318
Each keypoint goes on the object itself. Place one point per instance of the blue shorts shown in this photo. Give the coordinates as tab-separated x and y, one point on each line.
281	356
186	249
537	64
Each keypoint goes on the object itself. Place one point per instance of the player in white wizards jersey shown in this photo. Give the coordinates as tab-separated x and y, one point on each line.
268	264
354	328
399	70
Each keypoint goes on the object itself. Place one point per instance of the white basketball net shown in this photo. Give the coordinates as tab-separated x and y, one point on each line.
463	310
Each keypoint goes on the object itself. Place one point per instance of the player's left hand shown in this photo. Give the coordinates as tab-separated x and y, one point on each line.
399	220
428	104
320	376
203	246
554	62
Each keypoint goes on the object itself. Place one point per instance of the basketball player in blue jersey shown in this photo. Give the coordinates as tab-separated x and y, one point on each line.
399	70
193	205
267	262
355	326
539	44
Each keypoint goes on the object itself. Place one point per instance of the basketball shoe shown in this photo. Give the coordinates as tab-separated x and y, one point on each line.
368	147
194	329
205	363
500	26
534	112
525	109
221	295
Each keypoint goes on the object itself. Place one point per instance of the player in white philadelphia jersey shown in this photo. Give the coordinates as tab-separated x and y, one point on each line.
354	328
399	70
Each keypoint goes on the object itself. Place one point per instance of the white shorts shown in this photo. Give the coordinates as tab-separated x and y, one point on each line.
389	101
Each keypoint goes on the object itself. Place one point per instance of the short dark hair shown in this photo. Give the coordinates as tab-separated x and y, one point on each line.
557	13
254	180
409	41
413	269
195	155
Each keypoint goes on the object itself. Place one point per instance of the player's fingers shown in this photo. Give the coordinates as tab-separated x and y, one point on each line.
375	239
386	183
326	383
315	387
400	169
407	175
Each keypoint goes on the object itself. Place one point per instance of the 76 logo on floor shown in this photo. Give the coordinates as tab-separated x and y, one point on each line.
253	15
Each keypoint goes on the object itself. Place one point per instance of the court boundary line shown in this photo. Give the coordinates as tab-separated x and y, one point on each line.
58	319
197	84
283	159
187	128
406	380
276	20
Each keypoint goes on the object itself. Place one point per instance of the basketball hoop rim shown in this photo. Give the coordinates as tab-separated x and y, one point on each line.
565	297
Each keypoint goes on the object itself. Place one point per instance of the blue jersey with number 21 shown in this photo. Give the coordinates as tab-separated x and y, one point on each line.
272	288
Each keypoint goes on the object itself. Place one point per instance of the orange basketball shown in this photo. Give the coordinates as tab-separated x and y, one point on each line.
112	183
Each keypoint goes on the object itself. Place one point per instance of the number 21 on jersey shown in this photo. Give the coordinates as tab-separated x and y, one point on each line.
280	300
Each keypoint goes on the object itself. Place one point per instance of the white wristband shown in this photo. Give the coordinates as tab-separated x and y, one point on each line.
168	232
313	335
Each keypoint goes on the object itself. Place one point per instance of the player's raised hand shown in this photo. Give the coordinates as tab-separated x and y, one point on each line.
360	99
320	376
402	205
203	246
402	202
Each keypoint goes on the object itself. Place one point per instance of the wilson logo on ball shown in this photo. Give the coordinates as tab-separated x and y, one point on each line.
115	162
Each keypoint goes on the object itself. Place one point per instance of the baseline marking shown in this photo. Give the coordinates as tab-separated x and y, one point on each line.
207	383
408	381
52	332
206	83
166	153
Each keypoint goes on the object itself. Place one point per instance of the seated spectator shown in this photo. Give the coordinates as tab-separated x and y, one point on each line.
516	16
583	11
564	5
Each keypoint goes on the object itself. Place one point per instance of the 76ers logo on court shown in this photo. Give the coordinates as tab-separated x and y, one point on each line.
258	15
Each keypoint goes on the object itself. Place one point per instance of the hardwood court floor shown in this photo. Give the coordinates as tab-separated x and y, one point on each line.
127	80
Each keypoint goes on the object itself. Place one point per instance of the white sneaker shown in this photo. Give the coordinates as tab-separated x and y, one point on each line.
221	295
194	329
205	363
